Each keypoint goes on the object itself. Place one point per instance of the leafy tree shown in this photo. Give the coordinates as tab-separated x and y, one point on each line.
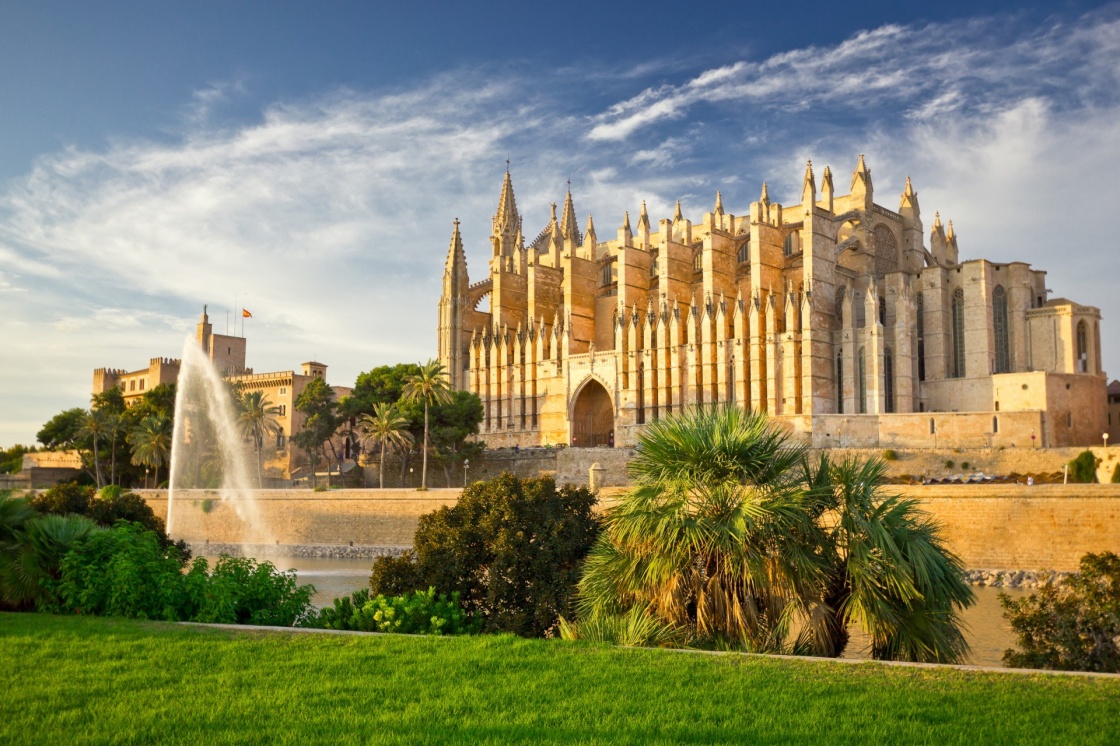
730	539
1083	469
453	423
321	420
511	548
64	431
151	443
256	418
11	459
382	385
1072	627
385	427
429	386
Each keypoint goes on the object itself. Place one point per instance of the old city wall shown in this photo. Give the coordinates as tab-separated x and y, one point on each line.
989	526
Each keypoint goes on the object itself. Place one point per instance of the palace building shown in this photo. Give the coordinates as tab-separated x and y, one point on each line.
833	315
282	389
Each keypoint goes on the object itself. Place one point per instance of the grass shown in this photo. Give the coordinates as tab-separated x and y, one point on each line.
83	680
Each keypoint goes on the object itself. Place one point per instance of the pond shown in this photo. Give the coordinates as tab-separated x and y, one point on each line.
986	630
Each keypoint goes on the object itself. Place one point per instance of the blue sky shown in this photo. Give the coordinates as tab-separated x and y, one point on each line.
309	158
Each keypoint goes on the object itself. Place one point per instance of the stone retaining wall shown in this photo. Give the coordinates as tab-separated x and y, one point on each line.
1005	527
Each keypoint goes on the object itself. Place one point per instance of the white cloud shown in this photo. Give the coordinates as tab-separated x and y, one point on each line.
329	217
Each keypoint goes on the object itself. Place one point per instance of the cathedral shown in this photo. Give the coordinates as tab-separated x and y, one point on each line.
834	316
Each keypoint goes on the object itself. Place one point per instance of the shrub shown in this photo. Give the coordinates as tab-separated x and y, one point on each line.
394	576
416	613
890	455
1083	469
1072	627
511	548
964	465
1116	475
949	464
30	559
127	571
106	507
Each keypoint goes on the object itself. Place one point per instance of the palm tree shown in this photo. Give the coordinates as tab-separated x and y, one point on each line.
257	420
387	427
430	386
113	426
731	538
151	443
94	426
37	550
698	544
890	571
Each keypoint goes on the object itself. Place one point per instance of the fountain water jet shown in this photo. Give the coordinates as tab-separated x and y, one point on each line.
207	450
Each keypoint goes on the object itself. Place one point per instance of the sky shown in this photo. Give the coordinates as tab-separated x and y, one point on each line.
306	160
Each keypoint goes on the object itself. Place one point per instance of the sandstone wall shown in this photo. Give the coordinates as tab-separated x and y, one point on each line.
990	526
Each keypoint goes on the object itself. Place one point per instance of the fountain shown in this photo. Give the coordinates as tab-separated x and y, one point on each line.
207	450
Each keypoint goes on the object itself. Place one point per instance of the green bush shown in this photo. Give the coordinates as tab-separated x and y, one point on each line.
417	613
106	507
949	464
1083	469
890	455
1071	627
1116	475
127	571
511	548
964	465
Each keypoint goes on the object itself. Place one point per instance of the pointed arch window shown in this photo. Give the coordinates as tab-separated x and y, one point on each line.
999	324
1082	347
882	310
956	366
921	337
888	379
792	245
861	373
860	310
745	252
840	309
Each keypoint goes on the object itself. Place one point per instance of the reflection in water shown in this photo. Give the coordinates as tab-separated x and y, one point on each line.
986	630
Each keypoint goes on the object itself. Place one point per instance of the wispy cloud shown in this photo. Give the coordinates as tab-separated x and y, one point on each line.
329	216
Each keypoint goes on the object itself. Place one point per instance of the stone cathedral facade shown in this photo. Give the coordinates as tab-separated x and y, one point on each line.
833	315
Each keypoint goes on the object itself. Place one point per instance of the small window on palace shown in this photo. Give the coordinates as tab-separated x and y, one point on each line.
141	384
1069	419
995	424
283	390
932	427
132	385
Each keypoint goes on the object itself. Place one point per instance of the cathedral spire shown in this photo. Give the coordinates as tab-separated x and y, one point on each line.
678	215
861	183
719	204
568	225
456	257
626	233
809	186
590	240
765	198
827	189
506	220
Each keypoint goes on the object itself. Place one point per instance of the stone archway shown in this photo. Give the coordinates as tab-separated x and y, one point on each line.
592	417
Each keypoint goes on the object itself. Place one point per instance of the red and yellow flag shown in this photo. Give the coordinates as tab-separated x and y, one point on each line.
245	313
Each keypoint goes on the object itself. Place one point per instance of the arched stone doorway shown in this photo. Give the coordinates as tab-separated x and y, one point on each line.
592	417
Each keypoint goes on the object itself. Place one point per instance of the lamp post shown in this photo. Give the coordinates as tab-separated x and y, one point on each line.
1105	436
466	466
410	479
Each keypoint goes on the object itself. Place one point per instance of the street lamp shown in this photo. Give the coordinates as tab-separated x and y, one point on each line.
1105	436
466	466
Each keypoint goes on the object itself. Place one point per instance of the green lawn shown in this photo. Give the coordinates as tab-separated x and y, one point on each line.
80	680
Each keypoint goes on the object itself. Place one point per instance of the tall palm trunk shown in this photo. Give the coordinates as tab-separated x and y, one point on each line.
113	462
97	465
424	469
381	467
259	464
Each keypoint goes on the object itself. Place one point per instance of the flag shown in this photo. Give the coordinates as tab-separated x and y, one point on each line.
245	313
